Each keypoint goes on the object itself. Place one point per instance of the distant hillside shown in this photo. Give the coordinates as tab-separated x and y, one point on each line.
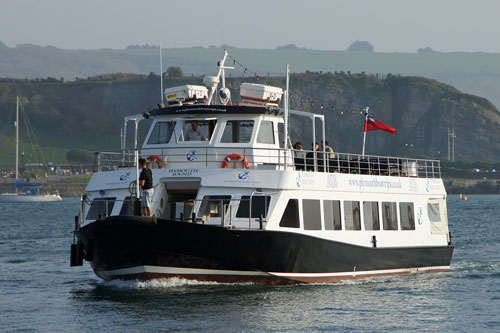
88	114
474	73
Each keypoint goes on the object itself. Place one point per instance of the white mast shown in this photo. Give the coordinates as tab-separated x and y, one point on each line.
364	132
17	140
285	131
161	78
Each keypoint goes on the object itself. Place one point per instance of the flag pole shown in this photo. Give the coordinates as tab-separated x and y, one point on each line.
364	131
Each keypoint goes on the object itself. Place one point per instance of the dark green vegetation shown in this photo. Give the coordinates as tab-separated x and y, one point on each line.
87	115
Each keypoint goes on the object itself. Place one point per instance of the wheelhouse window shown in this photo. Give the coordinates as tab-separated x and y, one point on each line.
331	213
100	207
260	206
197	130
127	207
311	214
237	131
281	134
352	215
370	215
389	216
407	215
213	205
290	218
162	132
266	132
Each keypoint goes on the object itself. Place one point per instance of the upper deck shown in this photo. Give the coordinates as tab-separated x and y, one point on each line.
246	137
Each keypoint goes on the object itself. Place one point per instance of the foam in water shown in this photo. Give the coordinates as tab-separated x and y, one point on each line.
163	283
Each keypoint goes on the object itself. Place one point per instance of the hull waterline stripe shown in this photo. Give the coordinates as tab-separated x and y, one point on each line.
361	273
178	270
198	271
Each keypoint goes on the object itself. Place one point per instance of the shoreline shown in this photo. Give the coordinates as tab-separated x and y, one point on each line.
71	189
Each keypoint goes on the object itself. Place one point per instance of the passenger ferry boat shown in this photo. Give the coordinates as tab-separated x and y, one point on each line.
240	205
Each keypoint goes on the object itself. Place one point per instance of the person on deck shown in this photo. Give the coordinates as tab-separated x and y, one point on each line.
299	156
194	133
146	183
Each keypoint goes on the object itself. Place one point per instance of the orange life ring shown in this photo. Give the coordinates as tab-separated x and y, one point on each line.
234	157
157	159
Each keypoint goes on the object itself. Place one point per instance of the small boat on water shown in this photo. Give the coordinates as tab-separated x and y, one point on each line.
31	193
238	204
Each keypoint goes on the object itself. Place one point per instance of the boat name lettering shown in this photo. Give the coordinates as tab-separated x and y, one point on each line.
306	179
331	181
200	109
361	183
412	185
182	172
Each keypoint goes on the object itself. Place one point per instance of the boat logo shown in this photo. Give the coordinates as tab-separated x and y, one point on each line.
419	215
427	186
244	175
191	156
299	179
125	176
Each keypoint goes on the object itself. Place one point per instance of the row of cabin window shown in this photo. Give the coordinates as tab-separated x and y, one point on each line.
311	215
235	131
211	205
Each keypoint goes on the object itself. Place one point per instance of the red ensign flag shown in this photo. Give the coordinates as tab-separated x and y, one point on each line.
372	124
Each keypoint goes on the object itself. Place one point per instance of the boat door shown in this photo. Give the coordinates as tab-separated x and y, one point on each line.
175	197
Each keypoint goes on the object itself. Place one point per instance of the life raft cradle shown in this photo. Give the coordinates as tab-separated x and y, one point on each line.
235	157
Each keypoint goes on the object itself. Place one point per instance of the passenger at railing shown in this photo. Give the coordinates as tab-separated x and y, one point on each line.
299	156
329	150
311	156
194	133
146	183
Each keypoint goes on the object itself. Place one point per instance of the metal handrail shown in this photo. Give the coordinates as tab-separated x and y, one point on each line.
311	160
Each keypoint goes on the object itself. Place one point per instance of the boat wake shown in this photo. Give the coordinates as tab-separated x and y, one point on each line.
164	283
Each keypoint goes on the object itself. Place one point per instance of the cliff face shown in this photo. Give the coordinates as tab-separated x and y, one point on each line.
88	114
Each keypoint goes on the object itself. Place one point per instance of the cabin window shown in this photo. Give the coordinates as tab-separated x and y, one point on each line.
162	132
197	130
433	212
281	134
127	207
389	216
212	205
331	213
311	214
370	215
266	132
407	216
290	218
260	206
352	215
100	207
237	131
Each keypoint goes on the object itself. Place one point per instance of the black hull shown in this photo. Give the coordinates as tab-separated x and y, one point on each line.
142	248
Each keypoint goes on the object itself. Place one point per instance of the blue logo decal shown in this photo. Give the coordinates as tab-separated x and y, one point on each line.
125	176
299	180
244	175
427	186
192	156
419	216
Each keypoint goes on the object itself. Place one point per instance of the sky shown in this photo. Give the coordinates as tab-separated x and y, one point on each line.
389	25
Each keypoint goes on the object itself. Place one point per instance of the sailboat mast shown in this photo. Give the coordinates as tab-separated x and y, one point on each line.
17	139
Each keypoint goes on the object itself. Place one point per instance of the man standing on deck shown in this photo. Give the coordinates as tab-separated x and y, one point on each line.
146	183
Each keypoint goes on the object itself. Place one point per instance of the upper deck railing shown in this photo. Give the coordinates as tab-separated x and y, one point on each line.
274	159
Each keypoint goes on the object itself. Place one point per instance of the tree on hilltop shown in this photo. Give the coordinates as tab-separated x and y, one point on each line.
175	71
360	46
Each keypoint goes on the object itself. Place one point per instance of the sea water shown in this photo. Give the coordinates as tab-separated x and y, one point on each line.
40	292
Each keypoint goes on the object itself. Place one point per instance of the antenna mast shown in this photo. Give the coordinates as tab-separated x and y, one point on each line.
161	78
